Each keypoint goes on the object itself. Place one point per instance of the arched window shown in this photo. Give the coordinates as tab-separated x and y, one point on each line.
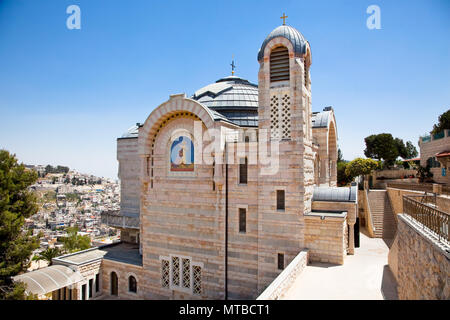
114	284
132	284
279	64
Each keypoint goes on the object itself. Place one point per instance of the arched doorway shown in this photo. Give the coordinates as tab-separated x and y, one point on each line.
114	284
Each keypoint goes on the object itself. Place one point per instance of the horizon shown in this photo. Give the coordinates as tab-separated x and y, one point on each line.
67	95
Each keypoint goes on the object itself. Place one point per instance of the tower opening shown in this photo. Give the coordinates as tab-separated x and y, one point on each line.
279	64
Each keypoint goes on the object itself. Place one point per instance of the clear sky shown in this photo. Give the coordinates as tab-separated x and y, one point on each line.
66	95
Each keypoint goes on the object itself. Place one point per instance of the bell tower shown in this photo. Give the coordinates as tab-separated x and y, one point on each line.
284	115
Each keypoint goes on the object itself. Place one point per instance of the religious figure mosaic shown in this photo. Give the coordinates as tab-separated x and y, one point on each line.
182	154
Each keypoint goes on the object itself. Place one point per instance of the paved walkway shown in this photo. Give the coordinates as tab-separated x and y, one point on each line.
364	276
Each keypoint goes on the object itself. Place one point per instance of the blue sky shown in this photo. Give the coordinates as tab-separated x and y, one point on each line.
66	95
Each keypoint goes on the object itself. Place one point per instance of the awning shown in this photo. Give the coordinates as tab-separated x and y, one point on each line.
49	279
443	154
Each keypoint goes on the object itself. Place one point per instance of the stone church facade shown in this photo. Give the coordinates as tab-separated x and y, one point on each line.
221	190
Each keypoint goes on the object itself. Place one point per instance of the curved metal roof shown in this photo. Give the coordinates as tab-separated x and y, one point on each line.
132	132
335	194
293	35
320	119
49	279
234	98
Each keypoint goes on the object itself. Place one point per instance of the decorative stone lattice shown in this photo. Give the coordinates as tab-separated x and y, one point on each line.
274	118
176	271
280	116
197	286
286	116
165	271
186	273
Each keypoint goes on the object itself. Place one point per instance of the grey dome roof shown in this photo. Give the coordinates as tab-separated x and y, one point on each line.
234	98
293	35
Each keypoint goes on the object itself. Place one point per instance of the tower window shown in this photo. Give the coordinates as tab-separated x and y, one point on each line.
132	284
280	200
243	170
279	64
280	261
242	220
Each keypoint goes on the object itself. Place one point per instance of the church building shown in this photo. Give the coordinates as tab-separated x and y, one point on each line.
221	190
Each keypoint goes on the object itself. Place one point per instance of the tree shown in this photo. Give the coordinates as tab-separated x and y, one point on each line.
443	122
381	146
17	202
48	255
75	242
385	147
360	166
411	151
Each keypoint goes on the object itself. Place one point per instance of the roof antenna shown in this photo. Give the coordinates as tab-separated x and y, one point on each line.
233	66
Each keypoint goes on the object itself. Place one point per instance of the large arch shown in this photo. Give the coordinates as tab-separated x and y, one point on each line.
176	104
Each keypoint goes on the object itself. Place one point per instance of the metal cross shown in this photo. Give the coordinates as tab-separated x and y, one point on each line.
284	19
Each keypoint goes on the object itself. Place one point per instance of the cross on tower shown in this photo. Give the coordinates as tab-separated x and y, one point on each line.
233	66
284	19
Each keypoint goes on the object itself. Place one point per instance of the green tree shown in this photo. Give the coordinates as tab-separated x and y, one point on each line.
443	122
360	166
48	255
75	242
17	202
411	151
382	147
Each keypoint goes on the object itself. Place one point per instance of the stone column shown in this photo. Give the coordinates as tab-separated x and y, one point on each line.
351	238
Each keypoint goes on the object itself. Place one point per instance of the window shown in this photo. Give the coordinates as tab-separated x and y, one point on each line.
63	293
280	200
180	273
83	292
242	220
91	287
186	273
243	170
132	284
114	284
70	294
165	273
280	261
197	271
176	271
213	173
97	282
279	64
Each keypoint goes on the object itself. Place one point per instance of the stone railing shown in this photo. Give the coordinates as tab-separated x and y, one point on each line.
115	219
285	279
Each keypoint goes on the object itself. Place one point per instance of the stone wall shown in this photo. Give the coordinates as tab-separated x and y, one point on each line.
325	238
430	149
421	263
284	281
123	272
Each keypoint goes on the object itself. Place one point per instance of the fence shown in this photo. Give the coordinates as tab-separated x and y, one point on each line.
435	220
425	187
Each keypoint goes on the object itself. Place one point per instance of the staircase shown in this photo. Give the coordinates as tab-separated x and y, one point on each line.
382	215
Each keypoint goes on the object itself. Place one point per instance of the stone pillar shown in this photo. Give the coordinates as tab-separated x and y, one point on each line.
351	238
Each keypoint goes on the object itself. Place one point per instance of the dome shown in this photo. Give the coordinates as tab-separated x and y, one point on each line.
234	98
293	35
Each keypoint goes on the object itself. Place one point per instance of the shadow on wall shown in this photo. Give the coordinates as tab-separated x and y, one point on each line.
388	285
